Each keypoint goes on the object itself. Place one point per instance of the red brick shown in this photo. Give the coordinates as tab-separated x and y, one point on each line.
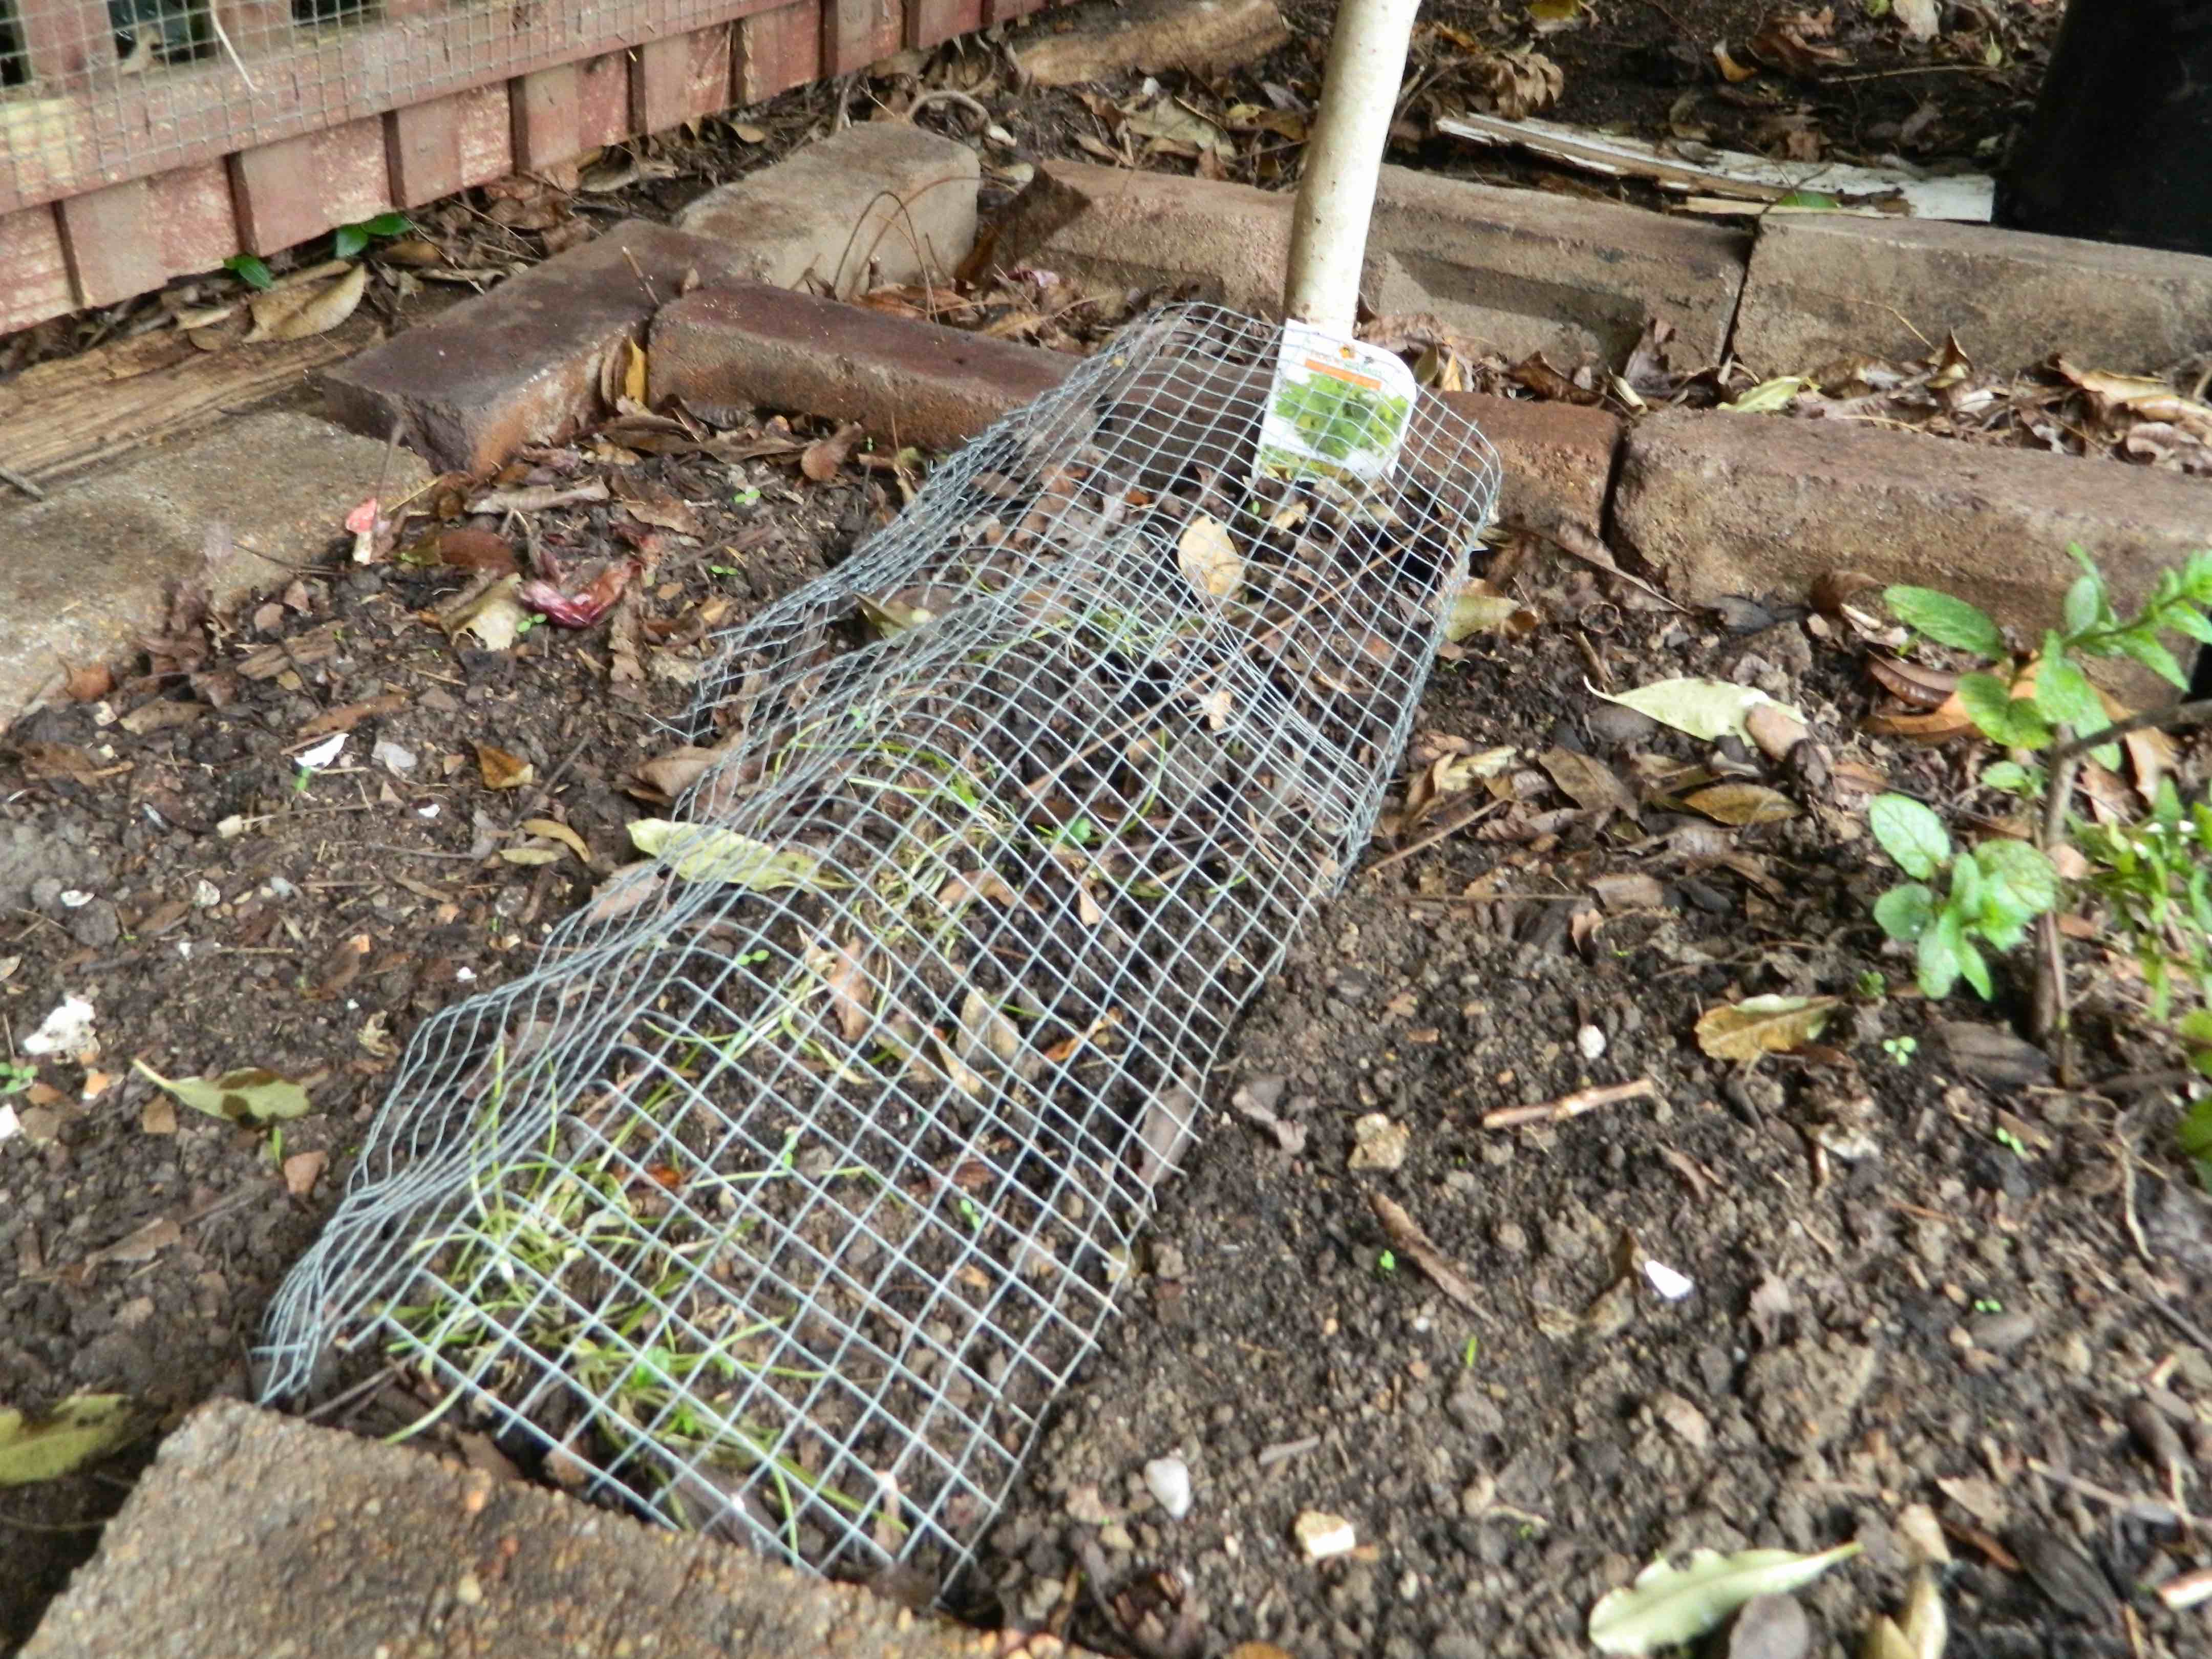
1723	504
113	249
856	32
1559	460
521	364
916	382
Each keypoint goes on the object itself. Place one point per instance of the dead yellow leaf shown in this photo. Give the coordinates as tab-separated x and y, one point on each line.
501	770
295	314
1206	555
1740	804
1763	1025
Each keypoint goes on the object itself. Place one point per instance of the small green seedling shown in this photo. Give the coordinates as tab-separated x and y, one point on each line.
1387	1263
2011	1142
16	1075
1987	1304
1467	1354
252	270
349	240
1994	891
1873	984
972	1215
1900	1049
746	496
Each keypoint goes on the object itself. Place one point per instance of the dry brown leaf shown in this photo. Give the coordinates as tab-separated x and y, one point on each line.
1742	804
1763	1025
1590	784
555	829
460	547
501	770
295	314
670	775
1938	725
820	459
1206	555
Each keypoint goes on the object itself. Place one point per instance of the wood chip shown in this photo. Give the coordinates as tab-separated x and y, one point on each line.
1405	1234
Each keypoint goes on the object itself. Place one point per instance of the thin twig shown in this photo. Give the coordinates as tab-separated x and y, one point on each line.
2166	717
1569	1105
2052	1004
2143	1509
1434	836
9	474
214	19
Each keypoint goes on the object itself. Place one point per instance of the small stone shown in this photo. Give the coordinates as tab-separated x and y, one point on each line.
1321	1535
1770	1627
1168	1480
1590	1041
1379	1143
2000	1332
467	1591
1684	1418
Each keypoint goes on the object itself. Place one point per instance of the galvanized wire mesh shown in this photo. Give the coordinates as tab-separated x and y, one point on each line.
784	1196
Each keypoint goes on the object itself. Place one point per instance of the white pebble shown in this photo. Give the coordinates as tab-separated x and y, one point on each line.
1591	1041
1168	1480
1322	1536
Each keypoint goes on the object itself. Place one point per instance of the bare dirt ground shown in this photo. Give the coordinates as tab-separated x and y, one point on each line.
1920	1271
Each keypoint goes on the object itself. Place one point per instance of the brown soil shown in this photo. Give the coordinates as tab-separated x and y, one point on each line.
1922	1271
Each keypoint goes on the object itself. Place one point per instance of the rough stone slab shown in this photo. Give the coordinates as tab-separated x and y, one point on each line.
1527	271
1825	287
89	569
1520	271
1723	504
520	365
1202	37
822	212
256	1536
1119	228
918	382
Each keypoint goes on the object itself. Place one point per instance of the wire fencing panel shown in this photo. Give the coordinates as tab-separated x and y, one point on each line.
785	1195
96	91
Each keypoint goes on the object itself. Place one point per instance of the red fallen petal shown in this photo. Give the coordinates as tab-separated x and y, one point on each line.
578	610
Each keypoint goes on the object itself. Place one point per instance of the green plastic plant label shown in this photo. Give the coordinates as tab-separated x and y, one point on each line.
1338	409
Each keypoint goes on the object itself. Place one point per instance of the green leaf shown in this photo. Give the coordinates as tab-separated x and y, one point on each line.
2064	696
2196	576
80	1429
1966	883
1976	970
348	240
249	1095
2186	618
2021	872
250	270
2003	718
388	224
1936	963
1808	201
2154	656
1910	833
1903	913
697	852
1946	620
1669	1605
2085	600
2008	775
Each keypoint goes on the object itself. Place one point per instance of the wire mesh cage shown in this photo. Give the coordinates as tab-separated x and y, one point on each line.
784	1196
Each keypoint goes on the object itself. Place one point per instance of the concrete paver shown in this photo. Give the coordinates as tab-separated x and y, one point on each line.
89	569
1822	288
257	1536
882	202
1733	504
1520	271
